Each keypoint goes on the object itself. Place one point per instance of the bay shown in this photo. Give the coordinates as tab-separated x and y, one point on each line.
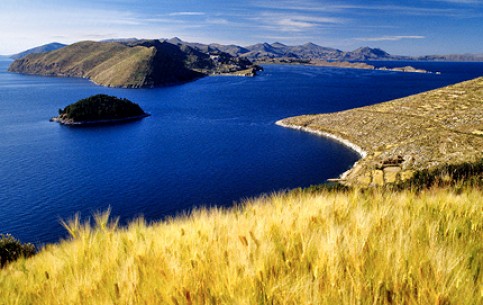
208	142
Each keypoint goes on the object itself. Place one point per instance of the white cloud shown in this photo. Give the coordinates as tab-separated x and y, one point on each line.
161	20
296	5
187	14
289	23
287	39
286	22
67	25
460	1
319	19
402	10
217	21
388	38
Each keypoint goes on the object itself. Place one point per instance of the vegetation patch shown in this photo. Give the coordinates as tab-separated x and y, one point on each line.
459	176
12	249
99	108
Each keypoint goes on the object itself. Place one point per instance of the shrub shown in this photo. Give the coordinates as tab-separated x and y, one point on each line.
465	174
11	249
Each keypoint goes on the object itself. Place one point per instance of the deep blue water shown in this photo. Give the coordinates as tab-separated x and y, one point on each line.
209	142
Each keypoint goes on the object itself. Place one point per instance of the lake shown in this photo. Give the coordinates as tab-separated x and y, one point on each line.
211	142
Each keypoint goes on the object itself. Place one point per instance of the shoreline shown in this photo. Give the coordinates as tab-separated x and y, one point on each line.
98	122
361	152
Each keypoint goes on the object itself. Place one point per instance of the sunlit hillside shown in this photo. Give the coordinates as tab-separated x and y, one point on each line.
372	247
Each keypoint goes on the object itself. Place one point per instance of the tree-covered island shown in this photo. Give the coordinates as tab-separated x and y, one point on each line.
99	109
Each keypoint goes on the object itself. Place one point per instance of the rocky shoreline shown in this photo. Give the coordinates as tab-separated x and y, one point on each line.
397	138
362	153
250	72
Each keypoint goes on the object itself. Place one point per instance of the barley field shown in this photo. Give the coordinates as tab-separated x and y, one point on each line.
354	247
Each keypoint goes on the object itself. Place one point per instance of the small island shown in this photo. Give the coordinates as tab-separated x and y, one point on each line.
100	109
337	64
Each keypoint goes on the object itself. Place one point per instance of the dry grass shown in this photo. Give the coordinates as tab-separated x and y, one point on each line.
298	248
108	64
125	69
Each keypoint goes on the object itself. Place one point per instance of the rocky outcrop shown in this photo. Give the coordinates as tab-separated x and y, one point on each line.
403	69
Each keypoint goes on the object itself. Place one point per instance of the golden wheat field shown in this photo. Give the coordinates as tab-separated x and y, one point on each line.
372	247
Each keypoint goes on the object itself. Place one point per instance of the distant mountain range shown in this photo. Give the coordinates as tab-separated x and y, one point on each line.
452	57
309	51
41	49
136	63
264	52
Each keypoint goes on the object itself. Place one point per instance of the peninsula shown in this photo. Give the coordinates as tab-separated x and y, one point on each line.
99	109
397	138
137	64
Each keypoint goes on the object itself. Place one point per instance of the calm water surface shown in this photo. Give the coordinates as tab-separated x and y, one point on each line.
209	142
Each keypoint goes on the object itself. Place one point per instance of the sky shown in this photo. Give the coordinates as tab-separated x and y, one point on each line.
416	27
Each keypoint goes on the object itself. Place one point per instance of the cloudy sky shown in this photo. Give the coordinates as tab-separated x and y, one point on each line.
406	27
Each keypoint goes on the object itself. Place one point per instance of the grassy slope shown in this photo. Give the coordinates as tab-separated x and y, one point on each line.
442	126
129	68
297	248
108	64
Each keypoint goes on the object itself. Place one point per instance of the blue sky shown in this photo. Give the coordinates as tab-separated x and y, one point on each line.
403	27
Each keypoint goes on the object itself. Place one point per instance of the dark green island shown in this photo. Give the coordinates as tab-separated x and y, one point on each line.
99	109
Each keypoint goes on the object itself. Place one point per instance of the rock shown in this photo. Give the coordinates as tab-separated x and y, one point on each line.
392	174
378	178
